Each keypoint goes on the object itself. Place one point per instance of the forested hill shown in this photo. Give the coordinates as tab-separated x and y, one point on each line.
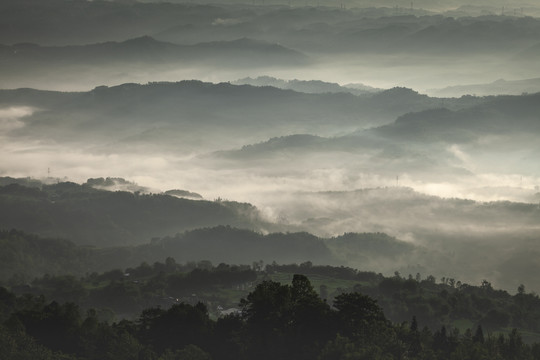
146	50
274	320
236	110
25	256
89	216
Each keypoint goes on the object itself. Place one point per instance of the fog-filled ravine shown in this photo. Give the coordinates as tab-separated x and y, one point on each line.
412	125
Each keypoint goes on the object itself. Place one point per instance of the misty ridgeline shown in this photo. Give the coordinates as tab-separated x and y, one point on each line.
269	179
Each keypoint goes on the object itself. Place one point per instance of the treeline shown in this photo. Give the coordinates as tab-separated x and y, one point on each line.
337	272
434	303
25	256
124	293
276	321
452	302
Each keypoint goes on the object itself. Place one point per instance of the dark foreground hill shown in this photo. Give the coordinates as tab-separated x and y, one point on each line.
287	320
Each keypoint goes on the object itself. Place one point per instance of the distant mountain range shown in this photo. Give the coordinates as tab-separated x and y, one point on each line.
68	45
475	35
146	50
498	87
509	118
410	131
315	30
202	115
307	86
501	115
395	130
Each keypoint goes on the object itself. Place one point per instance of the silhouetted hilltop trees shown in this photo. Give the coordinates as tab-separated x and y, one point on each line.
286	321
448	302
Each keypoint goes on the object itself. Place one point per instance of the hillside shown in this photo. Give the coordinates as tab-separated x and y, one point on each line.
310	87
26	256
192	116
102	218
196	298
145	51
499	116
382	232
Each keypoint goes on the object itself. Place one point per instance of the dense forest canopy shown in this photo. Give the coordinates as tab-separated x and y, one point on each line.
274	320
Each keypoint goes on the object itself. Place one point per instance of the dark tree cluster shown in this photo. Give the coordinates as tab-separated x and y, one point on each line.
447	302
433	303
338	272
125	293
276	321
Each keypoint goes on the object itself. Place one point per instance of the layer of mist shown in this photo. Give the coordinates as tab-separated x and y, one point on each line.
382	45
414	121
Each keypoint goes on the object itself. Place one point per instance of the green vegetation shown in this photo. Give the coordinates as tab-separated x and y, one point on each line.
275	321
123	293
229	311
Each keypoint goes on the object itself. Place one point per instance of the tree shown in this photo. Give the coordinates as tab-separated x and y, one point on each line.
54	326
415	346
479	335
286	322
310	320
358	314
495	319
486	285
170	265
228	338
266	311
180	325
